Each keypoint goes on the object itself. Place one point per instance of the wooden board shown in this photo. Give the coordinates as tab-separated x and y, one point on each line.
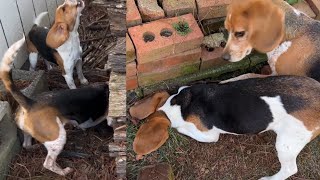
117	96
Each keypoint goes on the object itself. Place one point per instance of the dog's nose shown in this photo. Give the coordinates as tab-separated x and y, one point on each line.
226	56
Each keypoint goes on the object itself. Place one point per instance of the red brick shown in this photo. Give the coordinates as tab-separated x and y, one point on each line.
208	9
174	8
150	10
211	59
133	17
131	69
145	79
315	6
170	62
132	82
130	51
305	8
163	46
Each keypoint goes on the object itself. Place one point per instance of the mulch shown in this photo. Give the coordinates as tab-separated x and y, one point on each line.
85	151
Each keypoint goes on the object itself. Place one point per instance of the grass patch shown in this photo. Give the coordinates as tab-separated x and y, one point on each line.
176	145
291	2
182	27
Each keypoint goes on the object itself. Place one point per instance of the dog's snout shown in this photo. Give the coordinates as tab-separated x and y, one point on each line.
226	56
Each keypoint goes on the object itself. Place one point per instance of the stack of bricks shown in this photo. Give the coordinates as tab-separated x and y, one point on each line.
156	51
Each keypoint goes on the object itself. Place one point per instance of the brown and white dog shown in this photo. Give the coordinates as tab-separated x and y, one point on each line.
289	37
287	105
60	44
45	117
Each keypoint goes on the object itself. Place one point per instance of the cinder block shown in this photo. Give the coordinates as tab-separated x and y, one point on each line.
211	59
170	62
133	17
158	39
131	69
132	82
174	8
130	51
179	70
208	9
150	10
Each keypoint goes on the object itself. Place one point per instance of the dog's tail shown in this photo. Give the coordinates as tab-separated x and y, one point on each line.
39	18
6	74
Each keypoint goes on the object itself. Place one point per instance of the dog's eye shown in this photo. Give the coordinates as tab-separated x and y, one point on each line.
239	34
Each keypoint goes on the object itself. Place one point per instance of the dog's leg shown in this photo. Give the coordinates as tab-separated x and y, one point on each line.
49	67
69	77
288	149
33	58
244	76
81	77
27	140
91	123
191	131
54	148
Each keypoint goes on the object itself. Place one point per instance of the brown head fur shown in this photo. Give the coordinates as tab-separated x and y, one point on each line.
152	134
64	23
257	24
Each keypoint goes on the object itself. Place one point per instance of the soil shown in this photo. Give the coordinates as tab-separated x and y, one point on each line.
85	151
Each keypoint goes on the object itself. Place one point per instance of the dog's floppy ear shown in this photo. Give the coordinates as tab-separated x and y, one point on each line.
149	105
152	134
266	25
57	35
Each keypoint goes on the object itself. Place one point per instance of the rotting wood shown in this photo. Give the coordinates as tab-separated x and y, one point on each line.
117	97
121	162
117	147
210	73
120	136
116	154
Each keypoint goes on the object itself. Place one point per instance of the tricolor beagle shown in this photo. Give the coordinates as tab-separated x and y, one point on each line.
44	118
287	105
289	37
60	44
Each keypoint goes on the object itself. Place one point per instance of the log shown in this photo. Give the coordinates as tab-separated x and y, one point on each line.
248	62
117	147
116	154
120	136
121	162
117	97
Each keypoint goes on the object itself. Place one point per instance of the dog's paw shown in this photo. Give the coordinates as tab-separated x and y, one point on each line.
84	81
67	170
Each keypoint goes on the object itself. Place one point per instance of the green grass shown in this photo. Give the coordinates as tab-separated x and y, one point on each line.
291	2
176	145
182	27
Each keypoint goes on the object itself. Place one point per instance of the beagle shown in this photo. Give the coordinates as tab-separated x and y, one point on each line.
60	44
287	105
44	118
289	37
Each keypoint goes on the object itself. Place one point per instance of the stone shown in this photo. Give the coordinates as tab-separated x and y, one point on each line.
159	39
161	171
304	7
211	59
150	10
208	9
133	17
174	8
214	40
170	62
130	51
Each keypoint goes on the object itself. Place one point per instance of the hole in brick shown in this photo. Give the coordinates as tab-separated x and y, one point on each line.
223	44
209	49
148	37
166	33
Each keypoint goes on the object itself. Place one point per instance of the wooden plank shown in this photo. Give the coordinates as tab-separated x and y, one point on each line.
119	136
116	154
121	162
117	96
3	43
27	14
117	147
52	6
41	6
117	56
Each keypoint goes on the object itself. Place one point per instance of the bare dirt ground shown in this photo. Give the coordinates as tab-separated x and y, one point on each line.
85	151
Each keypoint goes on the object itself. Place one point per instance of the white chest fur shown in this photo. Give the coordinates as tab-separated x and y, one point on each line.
71	49
276	53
